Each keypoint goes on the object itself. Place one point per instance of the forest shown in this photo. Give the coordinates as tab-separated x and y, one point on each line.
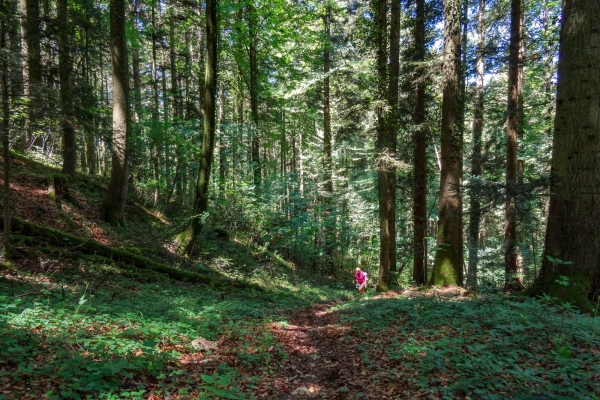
280	199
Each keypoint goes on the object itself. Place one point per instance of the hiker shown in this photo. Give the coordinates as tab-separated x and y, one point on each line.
361	280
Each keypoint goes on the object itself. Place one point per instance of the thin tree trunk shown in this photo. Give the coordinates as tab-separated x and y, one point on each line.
448	264
6	242
420	152
548	72
114	203
475	210
32	65
222	146
253	31
64	66
328	232
512	281
572	247
185	240
156	143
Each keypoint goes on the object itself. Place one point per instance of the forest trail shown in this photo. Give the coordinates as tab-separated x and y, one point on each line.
325	359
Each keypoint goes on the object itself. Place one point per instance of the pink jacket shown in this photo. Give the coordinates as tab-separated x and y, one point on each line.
360	277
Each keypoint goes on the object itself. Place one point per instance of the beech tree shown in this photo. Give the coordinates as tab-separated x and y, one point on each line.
570	268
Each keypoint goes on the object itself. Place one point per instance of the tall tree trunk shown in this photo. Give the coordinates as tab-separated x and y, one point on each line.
420	151
222	146
176	112
64	66
114	203
5	132
32	65
185	240
512	281
448	264
328	232
253	31
156	142
392	127
385	174
475	210
327	162
572	246
548	70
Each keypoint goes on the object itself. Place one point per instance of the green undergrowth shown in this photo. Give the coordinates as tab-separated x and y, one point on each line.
94	332
487	347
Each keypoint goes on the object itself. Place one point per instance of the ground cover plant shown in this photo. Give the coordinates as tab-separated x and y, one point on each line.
486	346
70	339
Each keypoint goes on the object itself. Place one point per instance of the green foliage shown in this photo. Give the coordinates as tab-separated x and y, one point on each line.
488	347
96	337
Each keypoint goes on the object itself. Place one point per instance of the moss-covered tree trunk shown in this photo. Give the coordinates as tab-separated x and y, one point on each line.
572	247
448	264
114	203
185	240
420	152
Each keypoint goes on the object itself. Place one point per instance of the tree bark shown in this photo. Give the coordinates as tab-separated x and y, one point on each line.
448	264
386	176
66	98
114	203
572	246
420	152
478	122
185	240
512	281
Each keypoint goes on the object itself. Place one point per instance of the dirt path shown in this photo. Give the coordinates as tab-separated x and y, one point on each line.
324	360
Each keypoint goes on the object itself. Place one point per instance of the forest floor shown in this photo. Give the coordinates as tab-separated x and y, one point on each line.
75	325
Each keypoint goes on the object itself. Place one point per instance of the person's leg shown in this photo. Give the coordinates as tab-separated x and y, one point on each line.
363	287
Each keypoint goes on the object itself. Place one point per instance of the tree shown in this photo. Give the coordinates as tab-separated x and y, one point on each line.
32	67
4	79
420	151
253	55
478	122
392	127
64	65
114	203
185	240
448	264
572	245
512	281
385	173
